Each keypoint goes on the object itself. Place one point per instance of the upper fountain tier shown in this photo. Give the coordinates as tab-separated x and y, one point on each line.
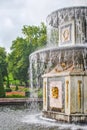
68	26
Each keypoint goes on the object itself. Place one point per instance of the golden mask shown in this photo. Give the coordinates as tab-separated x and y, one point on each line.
55	92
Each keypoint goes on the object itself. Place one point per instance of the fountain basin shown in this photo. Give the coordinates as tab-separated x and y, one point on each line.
22	118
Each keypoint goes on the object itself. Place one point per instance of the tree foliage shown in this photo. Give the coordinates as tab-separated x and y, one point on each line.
3	70
2	91
3	62
33	38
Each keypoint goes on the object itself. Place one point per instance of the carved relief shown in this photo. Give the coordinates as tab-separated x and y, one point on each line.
55	92
66	35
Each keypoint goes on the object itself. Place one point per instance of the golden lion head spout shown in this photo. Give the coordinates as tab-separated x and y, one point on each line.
55	92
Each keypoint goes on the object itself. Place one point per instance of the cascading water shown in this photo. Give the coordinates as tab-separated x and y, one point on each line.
49	57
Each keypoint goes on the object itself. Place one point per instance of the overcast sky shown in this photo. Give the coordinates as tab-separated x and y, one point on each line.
16	13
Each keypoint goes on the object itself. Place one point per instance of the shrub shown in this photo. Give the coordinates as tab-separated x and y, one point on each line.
16	88
40	93
8	90
27	93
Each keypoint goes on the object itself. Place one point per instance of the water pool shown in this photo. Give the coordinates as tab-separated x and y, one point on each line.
22	118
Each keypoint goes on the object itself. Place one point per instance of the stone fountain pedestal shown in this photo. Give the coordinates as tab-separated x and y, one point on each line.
65	86
65	94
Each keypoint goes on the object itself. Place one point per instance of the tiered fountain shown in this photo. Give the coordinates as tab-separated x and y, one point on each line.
64	66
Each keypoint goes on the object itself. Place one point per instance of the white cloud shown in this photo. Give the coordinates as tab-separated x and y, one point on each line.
16	13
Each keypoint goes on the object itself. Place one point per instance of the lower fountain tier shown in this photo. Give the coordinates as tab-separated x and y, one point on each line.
65	94
82	118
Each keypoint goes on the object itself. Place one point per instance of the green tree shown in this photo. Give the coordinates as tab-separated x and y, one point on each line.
2	91
3	62
3	70
34	37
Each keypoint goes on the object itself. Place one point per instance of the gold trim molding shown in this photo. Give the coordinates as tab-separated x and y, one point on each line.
67	89
79	93
44	93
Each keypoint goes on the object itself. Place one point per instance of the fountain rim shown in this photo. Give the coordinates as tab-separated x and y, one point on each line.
64	8
79	46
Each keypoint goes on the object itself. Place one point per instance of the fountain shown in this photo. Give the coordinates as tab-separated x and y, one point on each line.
63	66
